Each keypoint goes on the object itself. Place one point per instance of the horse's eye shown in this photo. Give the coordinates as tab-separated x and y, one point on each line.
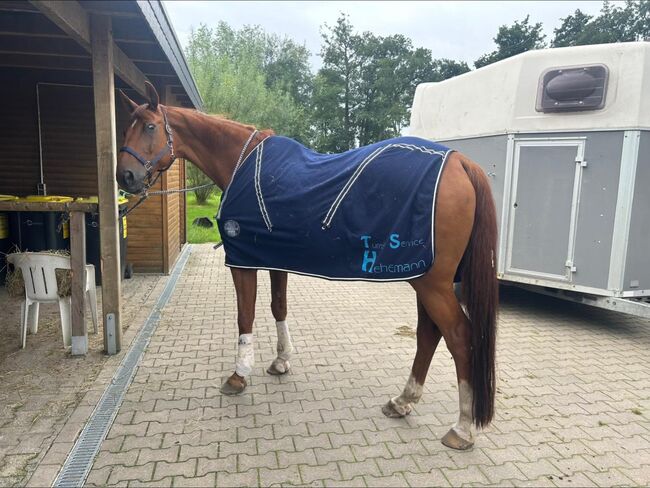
150	127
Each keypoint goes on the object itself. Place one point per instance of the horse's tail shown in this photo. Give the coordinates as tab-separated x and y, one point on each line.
481	294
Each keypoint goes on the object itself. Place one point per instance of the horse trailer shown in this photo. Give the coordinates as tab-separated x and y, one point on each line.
564	136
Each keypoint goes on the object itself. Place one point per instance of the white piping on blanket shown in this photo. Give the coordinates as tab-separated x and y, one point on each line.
346	188
258	188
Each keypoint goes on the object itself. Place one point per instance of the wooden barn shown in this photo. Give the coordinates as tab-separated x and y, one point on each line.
61	63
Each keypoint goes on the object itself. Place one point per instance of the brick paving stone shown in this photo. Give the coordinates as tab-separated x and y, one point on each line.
202	481
359	468
432	478
286	459
355	438
470	474
354	482
280	477
207	466
362	453
502	473
267	460
249	478
394	480
310	474
183	468
305	442
163	483
611	477
121	473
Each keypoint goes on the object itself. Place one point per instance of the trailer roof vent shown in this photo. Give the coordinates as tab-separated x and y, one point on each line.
572	89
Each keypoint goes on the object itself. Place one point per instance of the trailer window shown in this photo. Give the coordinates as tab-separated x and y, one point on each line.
572	89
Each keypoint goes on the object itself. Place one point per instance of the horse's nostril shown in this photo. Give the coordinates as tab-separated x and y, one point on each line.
128	177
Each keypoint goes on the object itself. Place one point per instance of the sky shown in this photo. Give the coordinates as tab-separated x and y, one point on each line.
460	30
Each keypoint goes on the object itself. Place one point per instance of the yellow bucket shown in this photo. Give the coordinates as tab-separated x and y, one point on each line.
120	200
4	219
48	199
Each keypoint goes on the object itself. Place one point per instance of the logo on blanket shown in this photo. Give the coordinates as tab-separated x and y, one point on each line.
369	262
231	227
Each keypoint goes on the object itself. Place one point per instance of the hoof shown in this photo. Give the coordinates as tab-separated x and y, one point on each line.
278	367
455	441
234	386
394	411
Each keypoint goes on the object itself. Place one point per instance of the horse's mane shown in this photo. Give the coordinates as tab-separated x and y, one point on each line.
222	118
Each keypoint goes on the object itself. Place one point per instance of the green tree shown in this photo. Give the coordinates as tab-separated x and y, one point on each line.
363	92
234	71
614	24
286	65
335	87
448	68
515	39
572	29
383	92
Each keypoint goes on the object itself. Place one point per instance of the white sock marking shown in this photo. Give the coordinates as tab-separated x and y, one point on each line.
245	355
465	399
285	347
411	394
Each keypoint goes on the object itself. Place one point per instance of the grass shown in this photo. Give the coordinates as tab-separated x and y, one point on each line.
198	235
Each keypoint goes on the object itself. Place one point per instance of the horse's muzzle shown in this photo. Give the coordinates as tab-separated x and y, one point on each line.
129	181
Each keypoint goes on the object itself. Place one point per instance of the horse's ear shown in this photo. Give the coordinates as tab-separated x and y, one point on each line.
129	104
152	95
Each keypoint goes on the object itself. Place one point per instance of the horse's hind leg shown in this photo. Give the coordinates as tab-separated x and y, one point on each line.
245	281
442	305
428	337
280	364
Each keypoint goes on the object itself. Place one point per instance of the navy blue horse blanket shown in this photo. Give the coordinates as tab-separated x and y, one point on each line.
366	214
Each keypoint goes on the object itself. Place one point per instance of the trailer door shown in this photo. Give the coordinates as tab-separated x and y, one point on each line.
544	203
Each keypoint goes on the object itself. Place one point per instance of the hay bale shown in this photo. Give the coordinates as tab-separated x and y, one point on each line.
15	284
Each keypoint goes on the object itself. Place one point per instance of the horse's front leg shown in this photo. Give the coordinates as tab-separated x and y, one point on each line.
246	288
280	364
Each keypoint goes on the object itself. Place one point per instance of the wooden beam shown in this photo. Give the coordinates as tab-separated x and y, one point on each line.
104	93
42	45
128	71
25	206
72	18
62	63
78	284
165	93
11	6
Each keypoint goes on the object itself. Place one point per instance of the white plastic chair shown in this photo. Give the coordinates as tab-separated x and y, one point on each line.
40	287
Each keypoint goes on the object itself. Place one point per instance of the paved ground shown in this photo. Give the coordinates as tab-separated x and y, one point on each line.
573	406
41	385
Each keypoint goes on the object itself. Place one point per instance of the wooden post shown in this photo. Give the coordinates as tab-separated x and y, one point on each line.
104	90
78	265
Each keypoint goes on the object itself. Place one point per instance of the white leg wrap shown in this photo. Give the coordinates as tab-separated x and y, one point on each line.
245	355
411	394
464	425
285	348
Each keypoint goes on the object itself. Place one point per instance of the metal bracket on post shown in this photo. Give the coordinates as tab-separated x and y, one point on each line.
111	348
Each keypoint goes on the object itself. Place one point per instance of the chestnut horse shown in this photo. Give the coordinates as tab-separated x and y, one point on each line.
465	230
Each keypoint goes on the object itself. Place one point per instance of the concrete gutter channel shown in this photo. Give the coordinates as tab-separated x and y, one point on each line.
71	456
